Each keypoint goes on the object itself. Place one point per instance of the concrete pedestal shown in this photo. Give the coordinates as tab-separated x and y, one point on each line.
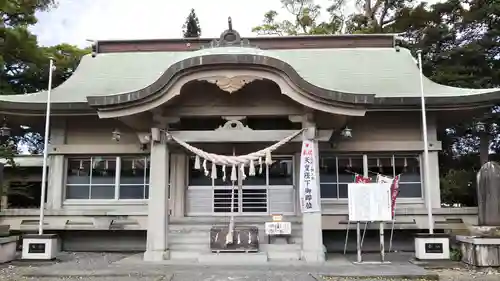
432	246
8	247
40	247
479	251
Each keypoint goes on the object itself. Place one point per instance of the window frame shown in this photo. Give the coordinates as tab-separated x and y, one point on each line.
366	156
116	184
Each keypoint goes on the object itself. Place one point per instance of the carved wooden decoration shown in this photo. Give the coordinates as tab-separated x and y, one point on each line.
231	84
233	125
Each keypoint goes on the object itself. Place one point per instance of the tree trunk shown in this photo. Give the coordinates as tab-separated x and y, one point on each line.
484	147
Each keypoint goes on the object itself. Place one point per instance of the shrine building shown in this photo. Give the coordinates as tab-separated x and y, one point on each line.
129	126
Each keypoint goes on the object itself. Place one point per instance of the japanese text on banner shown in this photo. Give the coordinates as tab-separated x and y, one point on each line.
308	181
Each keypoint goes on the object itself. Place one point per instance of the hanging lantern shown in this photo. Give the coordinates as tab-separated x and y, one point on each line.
4	130
480	127
346	132
116	135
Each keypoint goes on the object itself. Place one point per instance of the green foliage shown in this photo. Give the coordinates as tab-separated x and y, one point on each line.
460	42
191	28
304	14
25	65
455	254
459	187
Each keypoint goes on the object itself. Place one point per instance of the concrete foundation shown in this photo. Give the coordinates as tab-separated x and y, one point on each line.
8	247
40	247
479	251
432	246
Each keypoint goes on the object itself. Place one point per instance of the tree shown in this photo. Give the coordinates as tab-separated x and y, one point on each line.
460	41
25	64
192	29
304	15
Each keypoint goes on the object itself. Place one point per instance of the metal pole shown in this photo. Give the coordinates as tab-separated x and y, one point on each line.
364	232
426	147
347	235
392	235
45	151
382	242
358	241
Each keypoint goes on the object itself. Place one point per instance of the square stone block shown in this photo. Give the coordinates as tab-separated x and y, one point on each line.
40	247
432	246
8	246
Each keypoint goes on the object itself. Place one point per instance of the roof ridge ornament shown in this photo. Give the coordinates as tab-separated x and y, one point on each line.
230	24
229	38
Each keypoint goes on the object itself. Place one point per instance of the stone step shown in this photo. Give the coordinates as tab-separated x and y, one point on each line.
188	239
234	258
280	247
284	256
184	228
190	247
184	255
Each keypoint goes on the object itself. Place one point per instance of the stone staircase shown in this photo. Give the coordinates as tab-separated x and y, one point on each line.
189	239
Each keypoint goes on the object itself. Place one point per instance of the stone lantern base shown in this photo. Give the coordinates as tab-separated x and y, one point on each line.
480	251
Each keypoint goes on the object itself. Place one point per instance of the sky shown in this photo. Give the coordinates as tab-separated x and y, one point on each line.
75	21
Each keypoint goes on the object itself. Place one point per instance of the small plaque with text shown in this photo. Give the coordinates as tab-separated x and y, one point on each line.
434	248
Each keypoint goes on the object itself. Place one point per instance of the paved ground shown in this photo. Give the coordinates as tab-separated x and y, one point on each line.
111	267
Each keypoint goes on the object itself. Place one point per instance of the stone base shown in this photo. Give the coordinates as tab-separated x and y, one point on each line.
40	247
432	246
8	246
313	256
233	258
480	251
156	255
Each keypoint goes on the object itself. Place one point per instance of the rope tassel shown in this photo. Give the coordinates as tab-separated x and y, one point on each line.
251	171
242	168
269	160
234	177
260	165
223	172
214	171
205	167
197	165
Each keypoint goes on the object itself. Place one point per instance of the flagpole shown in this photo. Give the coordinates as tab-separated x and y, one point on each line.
426	147
45	151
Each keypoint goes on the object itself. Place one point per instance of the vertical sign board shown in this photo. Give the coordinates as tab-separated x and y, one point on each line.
369	202
309	185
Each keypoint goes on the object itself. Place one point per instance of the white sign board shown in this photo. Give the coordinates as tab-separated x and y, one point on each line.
309	184
369	202
278	228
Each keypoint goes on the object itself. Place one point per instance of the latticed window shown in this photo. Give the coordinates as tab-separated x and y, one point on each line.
336	172
107	178
268	192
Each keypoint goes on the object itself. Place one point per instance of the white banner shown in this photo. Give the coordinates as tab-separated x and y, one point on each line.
309	184
369	202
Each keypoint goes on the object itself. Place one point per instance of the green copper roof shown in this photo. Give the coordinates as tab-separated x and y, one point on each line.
383	72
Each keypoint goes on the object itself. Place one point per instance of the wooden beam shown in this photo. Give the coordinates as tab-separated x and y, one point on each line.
243	136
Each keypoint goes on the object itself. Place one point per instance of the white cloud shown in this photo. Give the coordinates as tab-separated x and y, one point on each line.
74	21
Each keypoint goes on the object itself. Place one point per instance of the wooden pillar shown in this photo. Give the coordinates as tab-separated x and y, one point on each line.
158	211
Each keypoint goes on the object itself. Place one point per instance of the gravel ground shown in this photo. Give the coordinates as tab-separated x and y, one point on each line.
94	261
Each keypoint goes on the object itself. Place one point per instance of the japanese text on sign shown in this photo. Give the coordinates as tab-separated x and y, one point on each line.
308	181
